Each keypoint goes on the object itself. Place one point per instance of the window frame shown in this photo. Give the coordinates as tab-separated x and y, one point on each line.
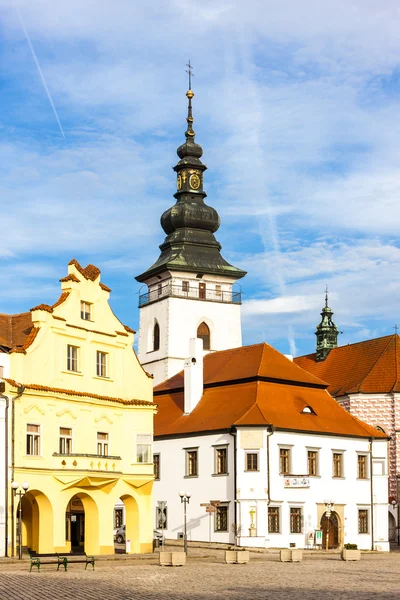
157	465
156	336
335	463
73	360
276	516
100	366
296	519
205	336
363	522
65	438
363	455
247	461
36	441
217	450
188	462
315	460
103	444
145	442
222	509
86	315
287	459
185	286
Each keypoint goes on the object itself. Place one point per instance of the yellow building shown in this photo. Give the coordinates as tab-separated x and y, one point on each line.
82	428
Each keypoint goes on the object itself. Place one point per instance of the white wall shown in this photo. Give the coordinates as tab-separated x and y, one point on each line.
349	494
5	367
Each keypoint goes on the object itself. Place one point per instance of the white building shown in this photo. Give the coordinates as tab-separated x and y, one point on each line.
265	441
190	289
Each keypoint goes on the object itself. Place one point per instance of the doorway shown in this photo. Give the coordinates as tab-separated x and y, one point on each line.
202	290
330	530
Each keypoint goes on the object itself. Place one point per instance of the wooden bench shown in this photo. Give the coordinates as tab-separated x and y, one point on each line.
77	558
38	560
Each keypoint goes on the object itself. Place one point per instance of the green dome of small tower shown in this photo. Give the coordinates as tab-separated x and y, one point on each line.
326	332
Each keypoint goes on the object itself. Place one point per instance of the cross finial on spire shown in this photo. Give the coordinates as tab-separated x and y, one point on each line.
396	328
189	71
326	296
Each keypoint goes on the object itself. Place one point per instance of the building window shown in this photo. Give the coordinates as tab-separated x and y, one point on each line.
143	448
362	521
185	286
284	461
251	461
118	517
203	332
273	519
221	461
86	311
33	440
202	290
161	517
295	520
362	466
337	464
72	358
65	440
156	462
218	290
221	518
312	459
102	443
159	289
156	336
101	364
192	467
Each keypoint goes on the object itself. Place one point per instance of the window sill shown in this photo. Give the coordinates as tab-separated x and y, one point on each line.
252	470
219	474
73	372
36	456
335	477
362	479
190	476
103	378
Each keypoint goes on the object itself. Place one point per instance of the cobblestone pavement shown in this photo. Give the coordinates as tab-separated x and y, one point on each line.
375	577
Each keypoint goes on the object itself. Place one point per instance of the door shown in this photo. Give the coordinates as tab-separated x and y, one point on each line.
77	531
202	290
330	531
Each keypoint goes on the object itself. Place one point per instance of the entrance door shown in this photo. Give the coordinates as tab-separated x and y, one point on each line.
330	530
202	290
77	531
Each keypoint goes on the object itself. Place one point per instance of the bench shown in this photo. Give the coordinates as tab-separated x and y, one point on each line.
38	560
77	558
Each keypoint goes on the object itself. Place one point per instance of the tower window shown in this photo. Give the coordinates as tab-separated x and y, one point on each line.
203	332
202	290
185	286
156	337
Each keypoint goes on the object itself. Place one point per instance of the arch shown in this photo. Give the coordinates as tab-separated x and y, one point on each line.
131	531
203	332
82	524
156	336
330	530
37	522
392	528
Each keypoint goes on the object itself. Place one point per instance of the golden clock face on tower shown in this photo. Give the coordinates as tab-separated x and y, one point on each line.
194	181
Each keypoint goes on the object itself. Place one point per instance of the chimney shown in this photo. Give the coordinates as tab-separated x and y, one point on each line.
193	375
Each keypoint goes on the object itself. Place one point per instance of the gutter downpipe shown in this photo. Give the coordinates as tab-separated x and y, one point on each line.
235	522
20	390
372	493
270	431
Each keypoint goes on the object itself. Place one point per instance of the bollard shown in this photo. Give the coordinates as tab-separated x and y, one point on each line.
128	546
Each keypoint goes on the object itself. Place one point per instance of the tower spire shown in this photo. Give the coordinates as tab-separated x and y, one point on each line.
190	133
326	332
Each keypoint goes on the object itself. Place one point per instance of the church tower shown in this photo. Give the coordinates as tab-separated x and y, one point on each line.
190	289
327	332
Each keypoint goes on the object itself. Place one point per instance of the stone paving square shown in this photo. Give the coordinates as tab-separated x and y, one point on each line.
375	577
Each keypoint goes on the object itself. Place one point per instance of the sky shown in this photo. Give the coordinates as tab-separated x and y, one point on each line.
296	107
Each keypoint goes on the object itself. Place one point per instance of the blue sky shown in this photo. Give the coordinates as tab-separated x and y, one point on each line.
296	108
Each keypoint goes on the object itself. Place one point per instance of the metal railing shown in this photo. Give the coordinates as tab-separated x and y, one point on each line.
191	292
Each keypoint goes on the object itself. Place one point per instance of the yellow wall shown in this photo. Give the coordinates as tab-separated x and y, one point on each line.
98	481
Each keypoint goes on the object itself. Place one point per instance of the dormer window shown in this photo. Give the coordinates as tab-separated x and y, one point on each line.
86	311
308	410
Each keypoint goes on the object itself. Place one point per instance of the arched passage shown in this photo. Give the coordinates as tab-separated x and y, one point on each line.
330	530
132	533
36	522
82	524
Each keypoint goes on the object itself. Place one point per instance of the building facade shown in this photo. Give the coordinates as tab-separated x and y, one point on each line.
267	455
190	283
81	425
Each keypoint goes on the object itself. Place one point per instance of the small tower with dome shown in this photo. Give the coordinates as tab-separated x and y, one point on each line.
326	332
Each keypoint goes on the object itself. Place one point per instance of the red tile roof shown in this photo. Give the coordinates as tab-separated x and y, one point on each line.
254	385
15	330
369	367
90	272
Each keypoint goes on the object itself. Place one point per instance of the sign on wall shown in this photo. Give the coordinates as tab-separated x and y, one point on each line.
296	481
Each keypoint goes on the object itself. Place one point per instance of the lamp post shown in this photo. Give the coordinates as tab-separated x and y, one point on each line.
328	511
19	492
185	499
397	504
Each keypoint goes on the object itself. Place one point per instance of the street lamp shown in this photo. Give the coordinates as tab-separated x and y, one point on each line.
328	511
394	504
19	492
185	499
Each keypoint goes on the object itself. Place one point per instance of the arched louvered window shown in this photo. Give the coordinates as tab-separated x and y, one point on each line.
156	336
203	332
